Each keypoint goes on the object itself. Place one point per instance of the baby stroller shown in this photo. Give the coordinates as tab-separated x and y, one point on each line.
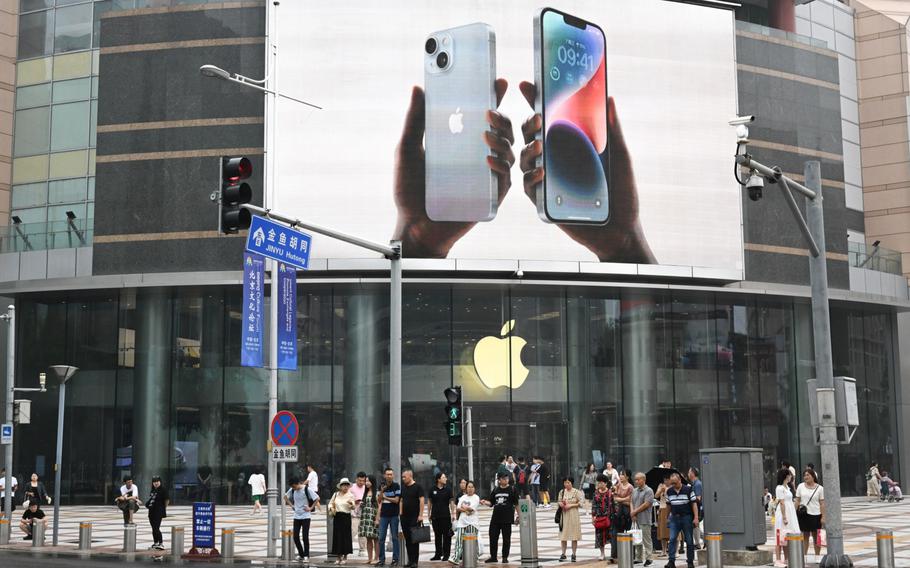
891	490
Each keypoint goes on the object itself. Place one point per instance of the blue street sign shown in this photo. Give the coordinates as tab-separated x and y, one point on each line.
6	434
285	429
287	317
251	331
203	525
279	242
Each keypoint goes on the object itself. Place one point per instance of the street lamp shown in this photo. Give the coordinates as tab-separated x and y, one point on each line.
812	228
63	374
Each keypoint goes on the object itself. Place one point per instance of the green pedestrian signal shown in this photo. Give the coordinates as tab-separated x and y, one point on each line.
453	415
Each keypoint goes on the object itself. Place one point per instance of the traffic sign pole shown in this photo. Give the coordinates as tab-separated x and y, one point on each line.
10	317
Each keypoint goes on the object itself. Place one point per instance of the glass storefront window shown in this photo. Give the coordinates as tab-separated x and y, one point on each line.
29	195
73	29
36	34
32	133
70	126
34	96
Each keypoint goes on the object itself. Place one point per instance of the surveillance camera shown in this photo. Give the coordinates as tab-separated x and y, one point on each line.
755	185
519	273
42	380
742	120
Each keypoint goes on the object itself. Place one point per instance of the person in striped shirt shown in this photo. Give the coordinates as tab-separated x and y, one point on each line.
683	517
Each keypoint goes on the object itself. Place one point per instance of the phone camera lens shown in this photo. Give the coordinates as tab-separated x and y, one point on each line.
442	60
430	46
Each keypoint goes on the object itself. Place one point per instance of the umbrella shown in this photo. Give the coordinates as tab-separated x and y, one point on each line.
656	476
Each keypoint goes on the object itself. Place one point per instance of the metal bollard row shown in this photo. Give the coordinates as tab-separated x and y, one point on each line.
795	551
469	551
85	536
287	545
38	534
714	546
177	541
884	545
129	539
227	544
624	542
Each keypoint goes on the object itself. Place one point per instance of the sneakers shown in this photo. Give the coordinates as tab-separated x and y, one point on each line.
562	558
505	559
648	563
435	558
670	564
491	560
27	537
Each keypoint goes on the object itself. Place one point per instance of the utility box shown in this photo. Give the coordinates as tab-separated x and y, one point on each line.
22	411
732	497
846	408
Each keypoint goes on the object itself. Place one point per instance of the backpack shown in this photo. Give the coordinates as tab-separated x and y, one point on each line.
522	475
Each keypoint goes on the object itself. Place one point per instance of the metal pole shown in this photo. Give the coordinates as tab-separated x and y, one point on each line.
468	423
176	542
798	216
795	551
59	461
227	544
624	542
38	530
10	385
824	372
714	545
284	483
395	360
469	550
85	535
272	493
767	172
884	544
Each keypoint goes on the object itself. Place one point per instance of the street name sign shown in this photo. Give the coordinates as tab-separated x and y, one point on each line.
279	242
284	454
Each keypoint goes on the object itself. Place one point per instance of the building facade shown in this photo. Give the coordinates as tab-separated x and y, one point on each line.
143	295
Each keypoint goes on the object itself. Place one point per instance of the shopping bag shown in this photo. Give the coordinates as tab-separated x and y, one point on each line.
822	537
636	536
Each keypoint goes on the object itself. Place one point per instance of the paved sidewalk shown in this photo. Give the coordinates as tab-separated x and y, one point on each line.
862	518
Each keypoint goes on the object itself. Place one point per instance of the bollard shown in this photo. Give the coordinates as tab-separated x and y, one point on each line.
714	546
85	536
403	550
469	551
795	551
330	537
287	545
38	528
624	542
177	542
884	544
527	520
4	532
129	539
227	544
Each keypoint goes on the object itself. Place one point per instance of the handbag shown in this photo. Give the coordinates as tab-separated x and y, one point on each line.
420	533
603	523
558	518
802	510
822	537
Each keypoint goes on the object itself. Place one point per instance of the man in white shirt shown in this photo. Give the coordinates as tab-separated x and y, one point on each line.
15	485
128	502
257	490
312	481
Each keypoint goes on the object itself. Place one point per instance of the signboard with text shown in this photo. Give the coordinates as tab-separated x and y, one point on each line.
287	317
279	242
284	454
253	285
203	525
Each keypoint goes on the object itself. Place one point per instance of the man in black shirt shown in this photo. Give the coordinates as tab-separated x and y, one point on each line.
442	513
504	500
412	503
31	516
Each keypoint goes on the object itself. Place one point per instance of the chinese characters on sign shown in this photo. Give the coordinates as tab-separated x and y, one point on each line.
284	454
251	337
203	525
287	316
279	242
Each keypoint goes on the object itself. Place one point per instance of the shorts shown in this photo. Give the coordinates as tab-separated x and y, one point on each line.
257	498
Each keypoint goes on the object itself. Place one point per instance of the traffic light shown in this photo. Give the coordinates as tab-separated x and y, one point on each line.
454	421
234	193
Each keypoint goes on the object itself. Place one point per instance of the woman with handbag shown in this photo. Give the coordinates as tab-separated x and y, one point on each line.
810	509
34	490
622	512
601	509
468	523
570	499
340	508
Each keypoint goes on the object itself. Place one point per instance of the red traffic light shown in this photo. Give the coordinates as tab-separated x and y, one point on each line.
237	168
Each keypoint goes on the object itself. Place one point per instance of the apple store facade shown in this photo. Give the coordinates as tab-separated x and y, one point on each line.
573	373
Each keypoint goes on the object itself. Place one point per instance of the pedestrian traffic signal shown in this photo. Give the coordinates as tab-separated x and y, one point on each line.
454	420
234	193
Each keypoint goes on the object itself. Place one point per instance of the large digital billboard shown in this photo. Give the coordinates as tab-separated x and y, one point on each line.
581	130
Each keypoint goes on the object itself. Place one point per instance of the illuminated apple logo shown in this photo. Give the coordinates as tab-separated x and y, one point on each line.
496	357
455	123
